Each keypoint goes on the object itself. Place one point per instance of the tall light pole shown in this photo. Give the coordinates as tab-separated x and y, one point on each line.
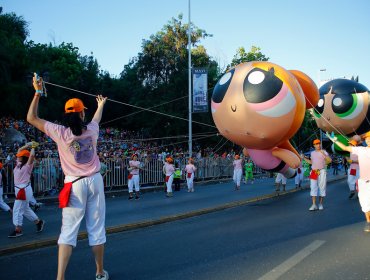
319	85
189	61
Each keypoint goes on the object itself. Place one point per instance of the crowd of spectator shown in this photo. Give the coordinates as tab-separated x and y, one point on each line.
113	144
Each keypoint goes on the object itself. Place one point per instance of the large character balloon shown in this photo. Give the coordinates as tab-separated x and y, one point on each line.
260	106
343	109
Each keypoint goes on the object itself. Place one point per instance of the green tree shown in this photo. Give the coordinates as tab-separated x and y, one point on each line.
13	33
242	56
159	74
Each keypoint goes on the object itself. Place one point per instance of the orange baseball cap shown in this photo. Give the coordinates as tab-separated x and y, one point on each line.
352	142
23	153
316	141
367	134
169	159
74	105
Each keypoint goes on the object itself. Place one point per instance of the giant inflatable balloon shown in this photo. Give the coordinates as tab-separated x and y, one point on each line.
260	106
343	109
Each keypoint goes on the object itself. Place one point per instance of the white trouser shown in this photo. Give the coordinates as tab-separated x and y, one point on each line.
364	195
280	178
352	179
190	181
87	200
3	205
134	181
169	183
320	183
299	177
21	207
237	176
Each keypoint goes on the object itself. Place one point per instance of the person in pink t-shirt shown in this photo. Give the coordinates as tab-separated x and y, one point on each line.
354	171
363	183
76	142
133	177
319	159
169	170
238	171
23	191
190	171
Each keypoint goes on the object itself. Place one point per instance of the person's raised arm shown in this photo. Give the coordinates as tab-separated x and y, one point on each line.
32	157
339	144
99	111
32	115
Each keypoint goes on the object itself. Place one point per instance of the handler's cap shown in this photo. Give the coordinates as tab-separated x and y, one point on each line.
23	153
74	105
316	141
352	142
367	134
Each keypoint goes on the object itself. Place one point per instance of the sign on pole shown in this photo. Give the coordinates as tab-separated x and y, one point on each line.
200	90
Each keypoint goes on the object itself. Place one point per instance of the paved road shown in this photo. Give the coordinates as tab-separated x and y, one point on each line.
152	208
268	239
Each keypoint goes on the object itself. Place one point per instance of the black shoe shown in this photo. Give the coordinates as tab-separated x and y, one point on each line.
351	195
137	197
15	234
130	197
40	226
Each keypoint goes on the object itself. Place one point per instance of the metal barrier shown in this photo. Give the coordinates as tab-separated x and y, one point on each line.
48	177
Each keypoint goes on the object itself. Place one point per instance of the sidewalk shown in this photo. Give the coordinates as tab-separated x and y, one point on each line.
152	208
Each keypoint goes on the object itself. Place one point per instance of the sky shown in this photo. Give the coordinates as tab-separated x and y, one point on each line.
295	34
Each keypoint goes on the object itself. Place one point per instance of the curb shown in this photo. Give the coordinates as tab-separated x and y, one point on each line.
48	242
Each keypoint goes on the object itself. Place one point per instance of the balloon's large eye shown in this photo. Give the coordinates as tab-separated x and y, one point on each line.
267	94
348	106
317	111
260	85
222	86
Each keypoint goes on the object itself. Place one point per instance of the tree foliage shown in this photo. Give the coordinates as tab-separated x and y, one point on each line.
241	56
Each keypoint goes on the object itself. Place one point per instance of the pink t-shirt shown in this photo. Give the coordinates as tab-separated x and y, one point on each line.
363	154
318	159
78	156
237	164
190	168
134	163
354	165
22	175
169	169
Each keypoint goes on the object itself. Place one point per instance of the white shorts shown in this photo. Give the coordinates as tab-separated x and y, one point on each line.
169	183
134	181
237	176
352	179
364	195
280	178
190	181
87	200
319	184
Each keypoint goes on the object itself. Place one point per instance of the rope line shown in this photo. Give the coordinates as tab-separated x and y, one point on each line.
130	105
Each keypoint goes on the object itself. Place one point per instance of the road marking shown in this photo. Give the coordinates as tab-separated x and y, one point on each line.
276	272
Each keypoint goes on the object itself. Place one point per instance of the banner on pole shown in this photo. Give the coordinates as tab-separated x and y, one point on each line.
200	90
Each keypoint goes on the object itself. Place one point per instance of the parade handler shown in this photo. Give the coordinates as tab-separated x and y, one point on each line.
363	154
83	192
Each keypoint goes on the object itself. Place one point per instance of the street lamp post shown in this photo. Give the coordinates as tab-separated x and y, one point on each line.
319	85
189	70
